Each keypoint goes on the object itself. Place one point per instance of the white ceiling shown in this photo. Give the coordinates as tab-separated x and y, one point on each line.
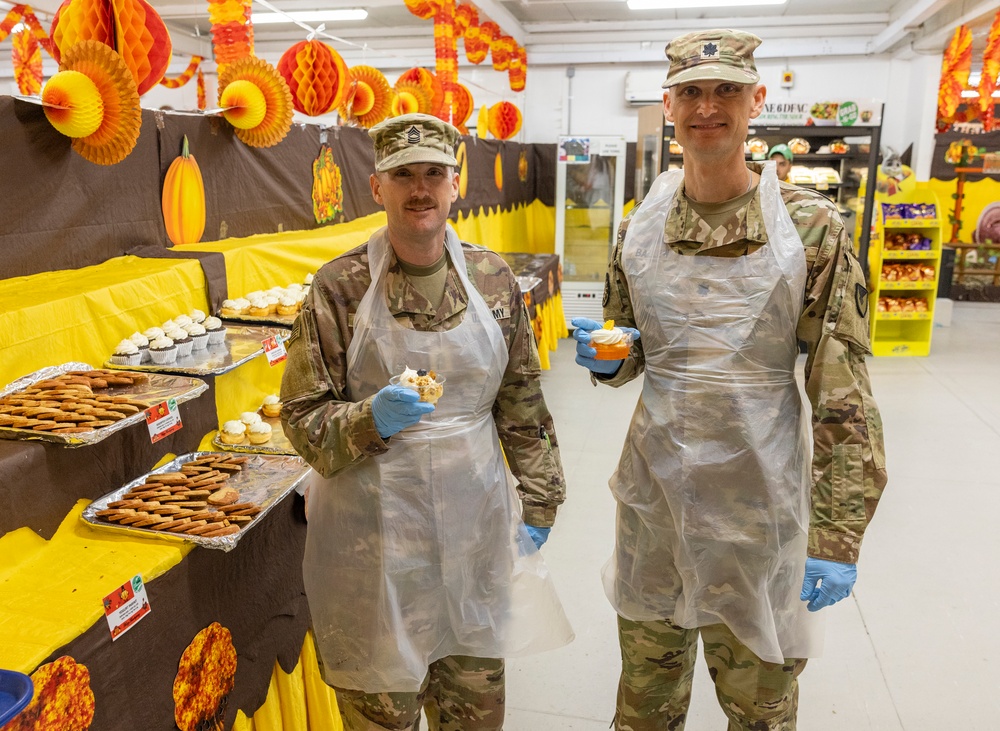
582	32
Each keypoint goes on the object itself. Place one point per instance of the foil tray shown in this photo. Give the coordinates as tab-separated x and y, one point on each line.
159	388
243	343
265	480
278	444
279	320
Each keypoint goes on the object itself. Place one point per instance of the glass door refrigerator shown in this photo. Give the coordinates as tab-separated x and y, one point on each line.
590	195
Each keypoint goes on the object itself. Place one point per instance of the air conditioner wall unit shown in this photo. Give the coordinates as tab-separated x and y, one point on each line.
644	87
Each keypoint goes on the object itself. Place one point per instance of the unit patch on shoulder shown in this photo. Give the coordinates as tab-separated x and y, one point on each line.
607	291
861	299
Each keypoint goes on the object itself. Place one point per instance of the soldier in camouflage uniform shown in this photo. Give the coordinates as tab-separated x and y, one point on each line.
722	269
415	534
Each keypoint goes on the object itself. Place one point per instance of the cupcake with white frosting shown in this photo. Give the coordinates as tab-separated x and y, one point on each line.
259	433
198	334
126	354
163	351
183	341
233	432
197	316
142	343
216	331
271	406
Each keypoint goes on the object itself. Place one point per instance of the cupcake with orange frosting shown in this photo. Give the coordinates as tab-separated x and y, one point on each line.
610	342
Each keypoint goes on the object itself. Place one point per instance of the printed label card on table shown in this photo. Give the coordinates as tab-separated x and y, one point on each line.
125	606
162	420
274	349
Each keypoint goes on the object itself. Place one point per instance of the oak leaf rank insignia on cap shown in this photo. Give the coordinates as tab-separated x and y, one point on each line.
712	55
413	138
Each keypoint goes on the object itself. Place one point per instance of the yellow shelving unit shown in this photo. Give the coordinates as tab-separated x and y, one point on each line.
904	281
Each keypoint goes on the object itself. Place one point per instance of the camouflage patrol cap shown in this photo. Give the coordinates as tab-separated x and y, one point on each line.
413	138
712	55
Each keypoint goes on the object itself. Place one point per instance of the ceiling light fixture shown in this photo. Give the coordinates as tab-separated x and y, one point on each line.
310	16
696	4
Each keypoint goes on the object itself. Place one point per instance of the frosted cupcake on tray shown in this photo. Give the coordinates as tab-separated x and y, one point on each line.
141	342
126	354
271	406
233	432
259	433
216	331
163	351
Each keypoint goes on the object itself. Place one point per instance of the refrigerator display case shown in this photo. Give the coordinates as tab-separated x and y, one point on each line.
590	195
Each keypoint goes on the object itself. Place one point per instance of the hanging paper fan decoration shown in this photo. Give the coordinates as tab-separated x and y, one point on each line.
130	27
264	96
517	71
504	120
428	82
93	99
232	30
483	122
316	75
424	9
954	75
369	97
501	49
411	97
26	56
988	77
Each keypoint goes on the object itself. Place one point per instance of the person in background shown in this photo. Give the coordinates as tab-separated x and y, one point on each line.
420	574
722	530
783	159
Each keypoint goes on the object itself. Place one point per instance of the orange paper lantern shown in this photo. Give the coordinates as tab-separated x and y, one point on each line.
504	120
461	105
316	75
410	97
130	27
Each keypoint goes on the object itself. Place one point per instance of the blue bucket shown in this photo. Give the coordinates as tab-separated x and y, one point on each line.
16	690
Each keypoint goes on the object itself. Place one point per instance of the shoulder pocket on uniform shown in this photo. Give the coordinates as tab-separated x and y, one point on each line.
305	374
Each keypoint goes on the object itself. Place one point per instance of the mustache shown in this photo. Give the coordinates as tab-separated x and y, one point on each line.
421	203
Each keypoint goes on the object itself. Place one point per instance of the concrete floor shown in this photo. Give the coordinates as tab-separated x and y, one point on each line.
917	646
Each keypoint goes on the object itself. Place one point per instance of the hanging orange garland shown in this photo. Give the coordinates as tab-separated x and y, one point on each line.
446	56
232	30
131	28
26	57
954	76
517	71
501	50
316	76
423	9
24	14
504	120
185	76
202	100
477	45
988	77
465	15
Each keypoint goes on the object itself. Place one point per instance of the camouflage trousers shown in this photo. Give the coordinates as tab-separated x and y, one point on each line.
658	667
459	694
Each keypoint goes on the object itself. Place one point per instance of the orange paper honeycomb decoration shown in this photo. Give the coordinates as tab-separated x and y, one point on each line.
424	9
410	98
461	105
277	118
504	120
369	98
316	75
428	82
130	27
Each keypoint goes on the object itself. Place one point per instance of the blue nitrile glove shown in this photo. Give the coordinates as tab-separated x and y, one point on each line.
837	581
585	354
538	535
395	408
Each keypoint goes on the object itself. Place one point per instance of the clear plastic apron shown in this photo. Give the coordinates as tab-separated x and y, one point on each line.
420	552
713	481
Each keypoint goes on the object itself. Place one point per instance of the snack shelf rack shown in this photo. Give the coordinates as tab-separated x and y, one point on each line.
903	333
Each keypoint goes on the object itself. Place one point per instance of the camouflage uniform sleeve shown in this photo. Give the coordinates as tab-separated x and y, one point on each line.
327	429
617	303
524	423
848	469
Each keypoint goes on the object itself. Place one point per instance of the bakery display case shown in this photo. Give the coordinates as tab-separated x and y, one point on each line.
830	157
904	264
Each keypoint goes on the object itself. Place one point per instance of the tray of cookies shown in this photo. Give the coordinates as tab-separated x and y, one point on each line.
207	498
74	404
255	431
242	343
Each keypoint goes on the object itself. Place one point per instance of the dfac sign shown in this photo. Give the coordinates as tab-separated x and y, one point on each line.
842	113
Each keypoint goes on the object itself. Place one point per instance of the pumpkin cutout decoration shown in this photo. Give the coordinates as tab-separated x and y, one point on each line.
316	76
498	171
327	187
93	99
261	109
129	27
183	200
369	98
504	120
